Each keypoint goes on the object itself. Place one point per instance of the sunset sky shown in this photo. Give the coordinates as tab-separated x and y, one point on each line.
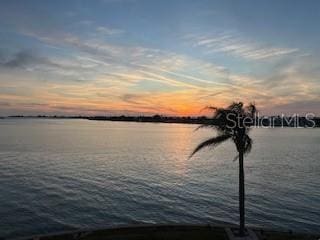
168	57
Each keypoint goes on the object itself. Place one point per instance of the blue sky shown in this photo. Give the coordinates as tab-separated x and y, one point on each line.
170	57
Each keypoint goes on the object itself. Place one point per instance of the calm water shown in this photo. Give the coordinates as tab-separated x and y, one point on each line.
65	174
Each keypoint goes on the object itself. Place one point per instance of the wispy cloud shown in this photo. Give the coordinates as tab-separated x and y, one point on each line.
233	44
21	59
109	31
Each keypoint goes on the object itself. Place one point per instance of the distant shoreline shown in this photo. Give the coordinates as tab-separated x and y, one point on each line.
273	121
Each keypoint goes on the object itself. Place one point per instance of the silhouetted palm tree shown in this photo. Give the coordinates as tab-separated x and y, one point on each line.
233	123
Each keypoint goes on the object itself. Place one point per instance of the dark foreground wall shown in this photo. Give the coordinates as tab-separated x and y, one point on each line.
177	232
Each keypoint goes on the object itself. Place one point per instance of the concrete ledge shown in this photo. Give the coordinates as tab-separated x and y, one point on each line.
250	235
172	232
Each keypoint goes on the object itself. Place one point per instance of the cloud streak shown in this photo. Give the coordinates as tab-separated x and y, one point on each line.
109	31
237	46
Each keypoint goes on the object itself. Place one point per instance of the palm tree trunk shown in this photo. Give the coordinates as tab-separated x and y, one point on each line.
241	195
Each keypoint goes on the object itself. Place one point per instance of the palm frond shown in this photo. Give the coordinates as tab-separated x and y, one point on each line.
205	125
211	142
213	108
236	107
230	122
252	110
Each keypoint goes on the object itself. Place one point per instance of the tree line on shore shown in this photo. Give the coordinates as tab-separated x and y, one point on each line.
264	121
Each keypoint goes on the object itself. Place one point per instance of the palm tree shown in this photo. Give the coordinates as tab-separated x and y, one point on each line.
233	123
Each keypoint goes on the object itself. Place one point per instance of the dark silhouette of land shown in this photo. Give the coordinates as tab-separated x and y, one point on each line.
264	121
